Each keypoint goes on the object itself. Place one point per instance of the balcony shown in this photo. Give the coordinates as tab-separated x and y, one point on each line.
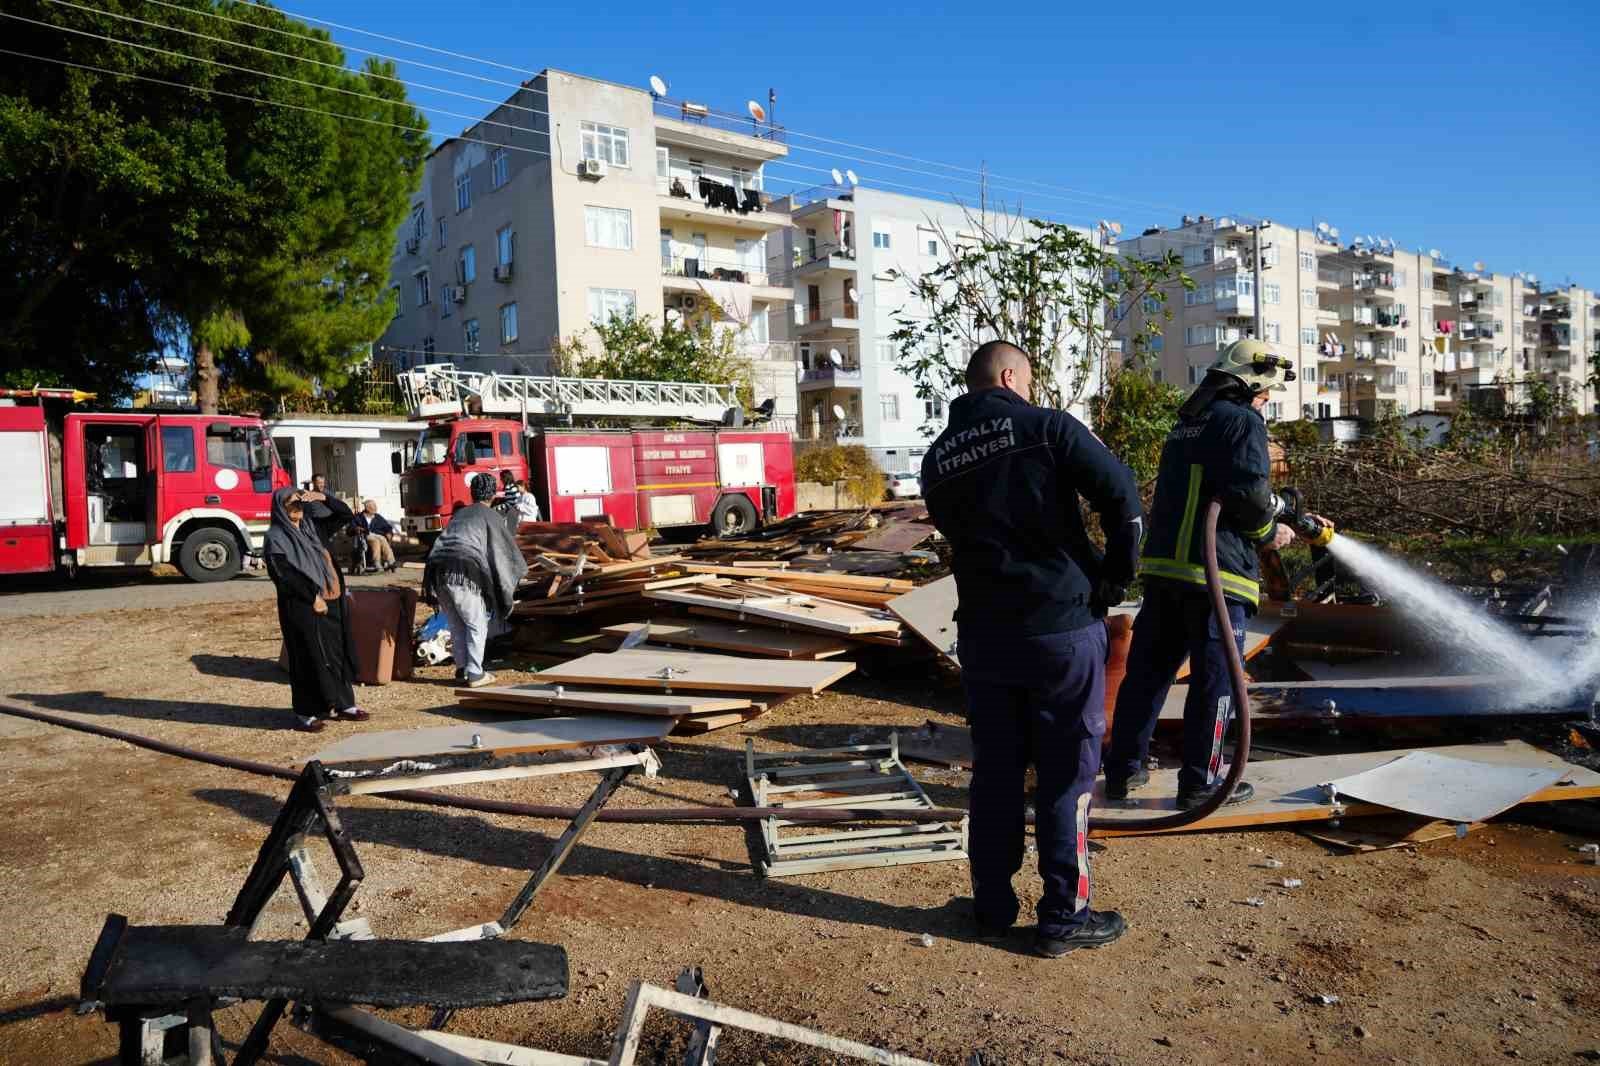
845	431
1556	338
1330	279
1558	363
828	376
1377	281
814	321
824	259
1239	303
691	125
746	210
1329	316
687	273
1441	298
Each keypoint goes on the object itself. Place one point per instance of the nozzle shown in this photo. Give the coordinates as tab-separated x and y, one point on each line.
1313	532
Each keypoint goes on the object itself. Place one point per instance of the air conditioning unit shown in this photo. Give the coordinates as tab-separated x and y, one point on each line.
456	294
412	244
686	303
592	168
503	271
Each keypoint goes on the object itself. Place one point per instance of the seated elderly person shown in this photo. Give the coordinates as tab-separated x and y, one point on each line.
378	533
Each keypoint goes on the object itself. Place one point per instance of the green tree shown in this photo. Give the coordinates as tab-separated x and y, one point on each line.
1048	288
635	349
1133	416
247	207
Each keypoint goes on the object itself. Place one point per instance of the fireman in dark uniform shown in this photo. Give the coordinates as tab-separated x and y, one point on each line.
1217	449
1003	484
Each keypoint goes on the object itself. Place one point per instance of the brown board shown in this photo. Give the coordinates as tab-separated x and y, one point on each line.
497	738
797	608
895	537
930	612
1290	790
685	671
588	700
762	641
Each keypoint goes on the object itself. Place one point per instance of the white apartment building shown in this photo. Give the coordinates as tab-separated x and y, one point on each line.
851	249
1372	328
577	199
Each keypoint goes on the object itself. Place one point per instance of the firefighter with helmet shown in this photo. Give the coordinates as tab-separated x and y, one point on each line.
1218	449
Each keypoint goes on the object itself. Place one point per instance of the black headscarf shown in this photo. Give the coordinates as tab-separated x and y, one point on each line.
297	548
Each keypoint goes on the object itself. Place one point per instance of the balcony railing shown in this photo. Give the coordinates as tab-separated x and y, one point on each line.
1330	277
801	197
805	314
700	115
821	253
1442	296
1373	282
848	374
828	429
739	198
731	269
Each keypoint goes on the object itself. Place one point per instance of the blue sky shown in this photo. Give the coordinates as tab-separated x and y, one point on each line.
1466	127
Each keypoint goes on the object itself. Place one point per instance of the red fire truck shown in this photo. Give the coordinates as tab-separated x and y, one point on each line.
730	478
132	489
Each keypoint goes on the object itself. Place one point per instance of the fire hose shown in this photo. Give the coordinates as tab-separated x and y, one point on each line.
713	815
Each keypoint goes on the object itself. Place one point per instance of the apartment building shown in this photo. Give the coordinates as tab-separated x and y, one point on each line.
851	250
577	199
1372	328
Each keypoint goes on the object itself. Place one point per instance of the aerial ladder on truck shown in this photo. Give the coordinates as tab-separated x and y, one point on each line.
442	390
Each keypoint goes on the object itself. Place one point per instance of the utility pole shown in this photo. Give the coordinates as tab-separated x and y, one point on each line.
1256	270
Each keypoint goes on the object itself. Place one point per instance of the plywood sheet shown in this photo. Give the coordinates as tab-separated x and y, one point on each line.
1389	698
1382	832
795	607
684	671
587	700
498	738
930	613
1445	787
895	537
762	641
1290	790
888	640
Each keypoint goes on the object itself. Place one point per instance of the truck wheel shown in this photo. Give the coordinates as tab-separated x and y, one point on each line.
733	516
210	555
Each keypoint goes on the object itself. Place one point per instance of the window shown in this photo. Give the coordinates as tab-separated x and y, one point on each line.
663	167
499	167
1308	373
177	449
1270	292
427	348
421	280
1308	298
1200	294
1271	331
1399	279
890	407
608	227
419	222
395	290
1196	374
463	191
444	230
1152	305
933	410
506	447
1274	411
1195	254
469	336
474	448
1402	377
1158	343
1308	261
1308	336
505	246
1193	335
1239	285
467	265
508	323
931	245
880	239
606	303
601	141
1400	344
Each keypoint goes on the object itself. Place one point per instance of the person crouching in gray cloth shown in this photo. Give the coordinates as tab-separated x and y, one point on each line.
472	574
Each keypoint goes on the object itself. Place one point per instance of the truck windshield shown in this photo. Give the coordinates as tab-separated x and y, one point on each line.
433	445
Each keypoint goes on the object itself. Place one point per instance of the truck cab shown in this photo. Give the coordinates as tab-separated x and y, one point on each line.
444	460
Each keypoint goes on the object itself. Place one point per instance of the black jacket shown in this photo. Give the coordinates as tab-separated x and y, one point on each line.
1218	451
1003	483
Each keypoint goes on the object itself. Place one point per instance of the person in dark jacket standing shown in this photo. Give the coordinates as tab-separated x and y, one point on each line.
1217	449
472	574
311	614
1003	484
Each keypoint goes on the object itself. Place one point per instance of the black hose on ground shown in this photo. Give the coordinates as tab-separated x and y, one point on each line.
714	815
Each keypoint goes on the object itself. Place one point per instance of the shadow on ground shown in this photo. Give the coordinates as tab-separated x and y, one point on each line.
102	705
242	667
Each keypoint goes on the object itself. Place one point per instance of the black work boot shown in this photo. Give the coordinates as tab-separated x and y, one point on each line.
1117	788
1101	929
1189	800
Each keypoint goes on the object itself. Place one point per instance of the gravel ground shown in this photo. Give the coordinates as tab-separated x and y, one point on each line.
1458	951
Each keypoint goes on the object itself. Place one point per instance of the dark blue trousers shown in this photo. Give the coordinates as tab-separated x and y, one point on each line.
1175	621
1038	700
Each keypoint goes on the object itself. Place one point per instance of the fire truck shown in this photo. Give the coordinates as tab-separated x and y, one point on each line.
717	474
131	488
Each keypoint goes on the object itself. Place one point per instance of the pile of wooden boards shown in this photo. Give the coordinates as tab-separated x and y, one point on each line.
699	691
579	567
870	540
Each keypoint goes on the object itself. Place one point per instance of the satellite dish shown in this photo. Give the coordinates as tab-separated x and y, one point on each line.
1478	265
1434	253
757	112
850	176
838	178
1359	240
1322	228
853	294
1533	279
834	357
838	413
1333	231
657	86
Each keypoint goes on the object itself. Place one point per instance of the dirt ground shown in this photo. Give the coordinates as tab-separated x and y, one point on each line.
1459	951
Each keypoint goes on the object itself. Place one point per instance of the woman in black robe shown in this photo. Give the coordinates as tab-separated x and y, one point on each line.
311	613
